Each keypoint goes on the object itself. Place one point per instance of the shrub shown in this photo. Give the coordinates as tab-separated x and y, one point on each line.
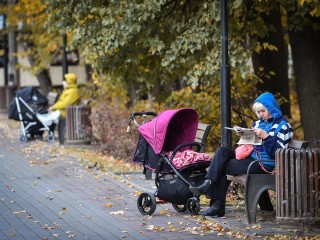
109	127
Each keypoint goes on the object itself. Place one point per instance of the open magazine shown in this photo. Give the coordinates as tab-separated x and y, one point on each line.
248	136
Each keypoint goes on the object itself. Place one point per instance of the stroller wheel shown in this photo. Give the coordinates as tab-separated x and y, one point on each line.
193	206
146	203
50	137
23	138
211	202
179	207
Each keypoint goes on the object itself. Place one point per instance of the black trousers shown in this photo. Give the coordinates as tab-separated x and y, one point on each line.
223	164
62	130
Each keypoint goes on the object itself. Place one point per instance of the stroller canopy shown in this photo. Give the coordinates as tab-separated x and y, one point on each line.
170	129
31	95
33	98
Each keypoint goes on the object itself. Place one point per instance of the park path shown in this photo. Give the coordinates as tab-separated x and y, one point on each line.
46	193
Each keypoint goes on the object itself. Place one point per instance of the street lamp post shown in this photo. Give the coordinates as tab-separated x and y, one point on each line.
225	105
64	58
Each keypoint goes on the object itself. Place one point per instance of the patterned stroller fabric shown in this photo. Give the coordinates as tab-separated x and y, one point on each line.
187	157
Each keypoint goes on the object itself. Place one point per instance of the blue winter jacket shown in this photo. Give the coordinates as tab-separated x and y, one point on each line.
278	128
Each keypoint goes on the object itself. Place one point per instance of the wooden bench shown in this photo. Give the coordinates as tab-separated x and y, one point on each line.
257	186
76	128
52	98
201	137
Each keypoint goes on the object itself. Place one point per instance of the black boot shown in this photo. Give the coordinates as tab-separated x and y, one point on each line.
203	188
217	209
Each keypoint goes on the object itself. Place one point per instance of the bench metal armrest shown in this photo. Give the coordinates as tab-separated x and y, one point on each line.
256	161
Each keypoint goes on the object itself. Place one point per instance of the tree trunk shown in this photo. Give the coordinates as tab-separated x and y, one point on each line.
274	63
43	77
45	82
14	78
306	61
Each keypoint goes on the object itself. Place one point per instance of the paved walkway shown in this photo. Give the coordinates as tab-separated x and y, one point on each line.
48	194
45	194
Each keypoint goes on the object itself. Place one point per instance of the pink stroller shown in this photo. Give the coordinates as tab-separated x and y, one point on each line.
166	145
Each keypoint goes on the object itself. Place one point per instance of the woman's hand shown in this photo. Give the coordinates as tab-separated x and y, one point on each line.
239	133
260	133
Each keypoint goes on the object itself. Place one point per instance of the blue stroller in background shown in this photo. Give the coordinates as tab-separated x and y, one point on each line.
24	107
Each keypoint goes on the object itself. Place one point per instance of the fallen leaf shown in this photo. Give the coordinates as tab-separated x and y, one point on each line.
18	212
162	212
104	197
150	227
117	213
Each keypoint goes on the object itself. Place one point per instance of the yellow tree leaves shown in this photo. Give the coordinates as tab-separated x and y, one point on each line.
29	19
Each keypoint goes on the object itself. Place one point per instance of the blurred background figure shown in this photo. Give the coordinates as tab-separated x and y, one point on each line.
69	96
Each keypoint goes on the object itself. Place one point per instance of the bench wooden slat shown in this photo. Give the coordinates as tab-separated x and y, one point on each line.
202	135
294	143
52	98
237	179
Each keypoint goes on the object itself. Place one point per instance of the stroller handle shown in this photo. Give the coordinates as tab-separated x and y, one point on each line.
142	114
138	114
190	144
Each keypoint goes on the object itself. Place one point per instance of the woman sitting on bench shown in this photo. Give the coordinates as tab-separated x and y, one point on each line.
69	96
275	132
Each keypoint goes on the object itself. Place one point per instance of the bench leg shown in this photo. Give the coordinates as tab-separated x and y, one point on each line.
256	187
62	130
148	174
265	202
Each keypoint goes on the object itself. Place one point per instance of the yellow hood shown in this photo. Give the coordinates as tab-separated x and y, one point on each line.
71	78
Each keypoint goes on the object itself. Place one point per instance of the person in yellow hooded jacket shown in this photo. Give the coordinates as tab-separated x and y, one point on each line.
69	96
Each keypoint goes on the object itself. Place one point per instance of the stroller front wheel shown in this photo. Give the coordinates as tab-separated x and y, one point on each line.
179	207
23	138
146	203
193	206
50	137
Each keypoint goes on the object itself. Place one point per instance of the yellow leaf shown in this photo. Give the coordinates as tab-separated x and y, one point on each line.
301	2
313	12
162	212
